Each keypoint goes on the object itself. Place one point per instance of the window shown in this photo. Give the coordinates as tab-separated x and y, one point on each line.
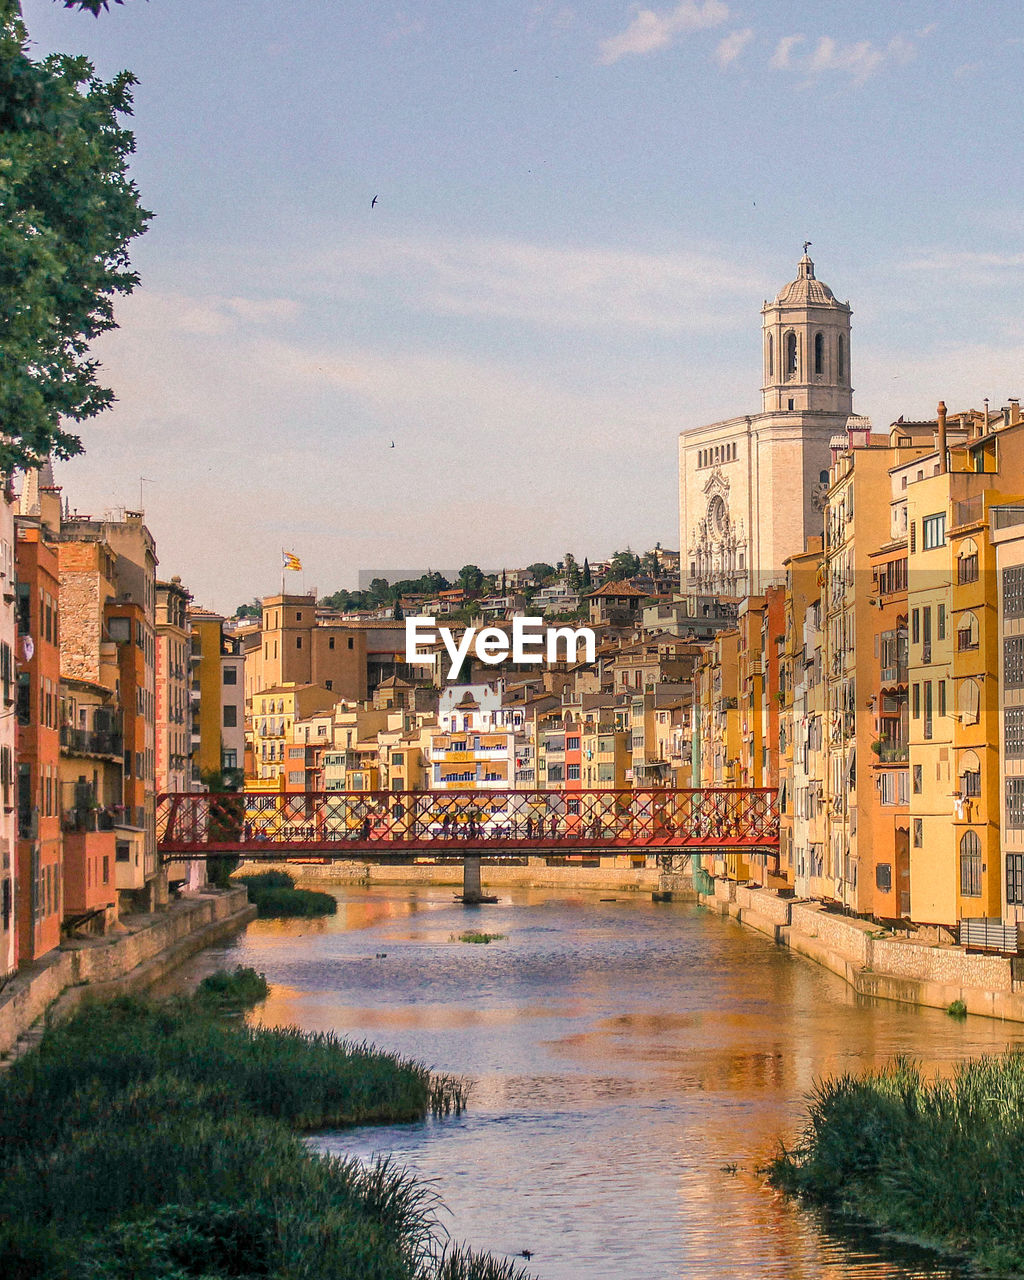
915	699
918	833
883	877
351	643
231	675
790	355
940	622
1013	662
967	632
1015	877
933	531
572	772
970	865
771	357
230	717
1013	592
967	565
1015	803
927	710
942	697
1013	732
330	642
329	685
841	358
572	744
298	642
915	626
229	759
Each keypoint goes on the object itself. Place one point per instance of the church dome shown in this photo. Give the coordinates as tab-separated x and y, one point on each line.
805	288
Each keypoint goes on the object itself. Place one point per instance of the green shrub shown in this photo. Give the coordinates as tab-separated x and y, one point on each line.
281	904
936	1159
156	1142
238	990
260	880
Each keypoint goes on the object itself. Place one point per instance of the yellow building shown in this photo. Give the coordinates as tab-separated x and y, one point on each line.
274	712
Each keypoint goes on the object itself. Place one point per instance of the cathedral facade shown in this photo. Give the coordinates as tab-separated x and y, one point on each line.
751	488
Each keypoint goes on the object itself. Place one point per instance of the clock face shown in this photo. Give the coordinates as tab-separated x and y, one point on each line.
718	516
819	496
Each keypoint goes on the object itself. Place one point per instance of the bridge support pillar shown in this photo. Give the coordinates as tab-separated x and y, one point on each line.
471	894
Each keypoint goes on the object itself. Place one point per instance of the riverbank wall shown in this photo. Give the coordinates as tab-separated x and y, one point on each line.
874	961
144	949
536	874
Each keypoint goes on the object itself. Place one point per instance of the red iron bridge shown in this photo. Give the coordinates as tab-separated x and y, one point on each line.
396	826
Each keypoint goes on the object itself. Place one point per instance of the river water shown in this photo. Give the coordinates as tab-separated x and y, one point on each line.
632	1065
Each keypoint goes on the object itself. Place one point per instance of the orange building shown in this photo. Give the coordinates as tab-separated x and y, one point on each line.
37	754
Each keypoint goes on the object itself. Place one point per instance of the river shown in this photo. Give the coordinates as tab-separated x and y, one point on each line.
633	1063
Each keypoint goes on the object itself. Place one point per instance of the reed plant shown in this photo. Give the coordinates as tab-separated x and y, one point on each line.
275	897
158	1142
238	990
938	1159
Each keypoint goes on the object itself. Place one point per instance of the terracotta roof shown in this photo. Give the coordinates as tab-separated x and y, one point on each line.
618	588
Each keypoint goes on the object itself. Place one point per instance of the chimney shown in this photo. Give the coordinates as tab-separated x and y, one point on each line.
942	437
1014	411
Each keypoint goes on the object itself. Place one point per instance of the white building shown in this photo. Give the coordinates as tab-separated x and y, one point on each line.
472	747
751	488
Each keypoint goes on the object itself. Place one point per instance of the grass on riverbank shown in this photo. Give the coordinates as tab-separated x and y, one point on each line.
275	897
156	1142
475	935
938	1160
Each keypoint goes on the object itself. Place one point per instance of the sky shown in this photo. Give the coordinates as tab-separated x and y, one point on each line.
579	213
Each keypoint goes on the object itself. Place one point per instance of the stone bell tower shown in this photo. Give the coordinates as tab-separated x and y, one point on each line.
806	348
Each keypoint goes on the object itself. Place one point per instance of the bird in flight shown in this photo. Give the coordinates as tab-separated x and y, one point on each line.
392	444
373	202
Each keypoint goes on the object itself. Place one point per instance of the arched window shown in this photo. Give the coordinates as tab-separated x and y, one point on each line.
967	632
970	865
771	356
970	775
841	358
823	477
968	702
790	354
967	561
819	354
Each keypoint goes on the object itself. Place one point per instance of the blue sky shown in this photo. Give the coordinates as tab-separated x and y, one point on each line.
580	211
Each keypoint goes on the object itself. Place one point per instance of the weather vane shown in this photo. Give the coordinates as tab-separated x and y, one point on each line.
807	245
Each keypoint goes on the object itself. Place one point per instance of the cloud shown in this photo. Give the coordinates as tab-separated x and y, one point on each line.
965	265
566	288
859	60
207	315
732	46
650	31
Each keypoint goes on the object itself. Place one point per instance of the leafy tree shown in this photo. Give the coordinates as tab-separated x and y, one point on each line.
68	213
573	576
380	590
651	564
541	571
470	578
397	613
254	609
624	564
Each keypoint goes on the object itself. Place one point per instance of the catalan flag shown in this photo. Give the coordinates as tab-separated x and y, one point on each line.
292	561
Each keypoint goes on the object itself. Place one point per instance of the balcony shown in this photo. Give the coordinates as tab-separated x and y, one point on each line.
91	742
83	818
892	752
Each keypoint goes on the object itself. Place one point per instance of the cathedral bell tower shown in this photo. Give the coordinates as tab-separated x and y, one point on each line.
806	348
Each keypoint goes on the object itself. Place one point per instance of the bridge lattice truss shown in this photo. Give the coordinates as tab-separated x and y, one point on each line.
400	824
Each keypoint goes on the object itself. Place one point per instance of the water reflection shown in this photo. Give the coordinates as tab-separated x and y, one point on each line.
624	1057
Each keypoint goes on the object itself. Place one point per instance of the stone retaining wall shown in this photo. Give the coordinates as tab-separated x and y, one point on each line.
535	875
119	962
874	962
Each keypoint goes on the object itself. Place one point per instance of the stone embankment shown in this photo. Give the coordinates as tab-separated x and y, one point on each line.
141	952
536	874
874	961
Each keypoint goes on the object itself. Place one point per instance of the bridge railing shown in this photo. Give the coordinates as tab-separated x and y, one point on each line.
436	820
